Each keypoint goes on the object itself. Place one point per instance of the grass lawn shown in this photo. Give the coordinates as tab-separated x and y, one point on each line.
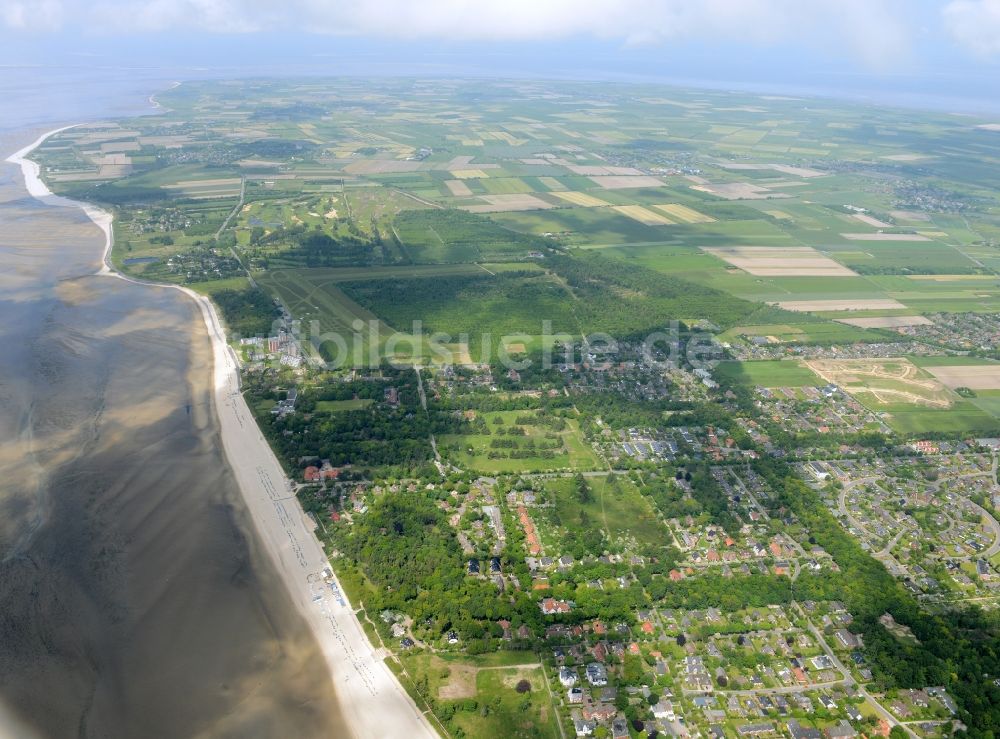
774	373
989	401
264	406
333	406
963	416
214	286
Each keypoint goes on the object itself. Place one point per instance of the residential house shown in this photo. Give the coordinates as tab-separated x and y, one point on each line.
803	732
567	677
843	730
597	674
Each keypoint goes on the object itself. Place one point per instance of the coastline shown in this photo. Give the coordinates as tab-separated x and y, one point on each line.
370	696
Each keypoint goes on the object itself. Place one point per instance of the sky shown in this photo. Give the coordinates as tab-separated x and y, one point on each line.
918	48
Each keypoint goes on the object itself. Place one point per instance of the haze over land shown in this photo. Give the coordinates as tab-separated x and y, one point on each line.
921	52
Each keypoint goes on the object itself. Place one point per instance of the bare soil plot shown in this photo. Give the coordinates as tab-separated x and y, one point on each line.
225	182
114	170
822	306
739	191
582	199
797	171
458	188
93	174
683	214
120	146
257	163
468	174
974	377
871	221
383	166
886	321
887	381
778	261
458	354
788	169
596	171
207	189
167	142
884	237
622	182
461	682
510	202
643	215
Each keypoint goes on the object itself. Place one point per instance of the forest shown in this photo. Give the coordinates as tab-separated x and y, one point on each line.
247	312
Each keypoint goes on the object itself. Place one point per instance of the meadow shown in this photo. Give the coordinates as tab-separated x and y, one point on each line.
614	510
461	685
538	445
772	373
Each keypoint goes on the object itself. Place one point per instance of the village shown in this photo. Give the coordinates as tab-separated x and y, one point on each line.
721	670
922	520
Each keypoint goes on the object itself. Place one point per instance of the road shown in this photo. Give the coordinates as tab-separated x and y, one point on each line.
225	225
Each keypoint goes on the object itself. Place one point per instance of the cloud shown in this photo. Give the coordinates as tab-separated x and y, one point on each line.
43	15
975	25
875	31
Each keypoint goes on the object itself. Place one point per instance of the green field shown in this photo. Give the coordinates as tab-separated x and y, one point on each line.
455	236
777	373
482	306
963	417
539	448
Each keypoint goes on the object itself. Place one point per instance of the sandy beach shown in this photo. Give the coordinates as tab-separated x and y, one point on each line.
372	701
